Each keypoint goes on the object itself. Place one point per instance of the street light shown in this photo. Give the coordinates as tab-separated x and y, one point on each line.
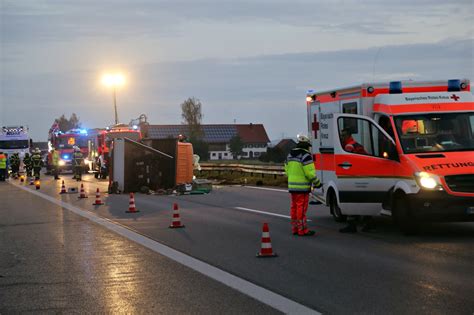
114	81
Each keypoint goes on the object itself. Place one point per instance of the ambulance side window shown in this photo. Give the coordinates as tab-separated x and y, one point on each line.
356	139
350	108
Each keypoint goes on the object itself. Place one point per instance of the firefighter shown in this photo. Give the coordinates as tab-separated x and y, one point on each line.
3	167
299	167
78	160
15	165
27	164
37	163
55	163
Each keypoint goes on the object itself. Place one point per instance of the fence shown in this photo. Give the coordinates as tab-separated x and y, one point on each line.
275	170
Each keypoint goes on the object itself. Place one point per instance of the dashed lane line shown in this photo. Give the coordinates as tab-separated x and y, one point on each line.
265	213
263	295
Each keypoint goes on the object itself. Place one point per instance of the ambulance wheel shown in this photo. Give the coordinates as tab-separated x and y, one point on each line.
402	214
335	210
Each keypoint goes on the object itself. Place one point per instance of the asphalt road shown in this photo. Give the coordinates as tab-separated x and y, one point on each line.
377	272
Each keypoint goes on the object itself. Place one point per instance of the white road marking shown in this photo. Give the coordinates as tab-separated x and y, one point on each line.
264	188
266	213
263	295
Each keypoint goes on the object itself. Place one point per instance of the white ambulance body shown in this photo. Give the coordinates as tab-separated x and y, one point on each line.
404	149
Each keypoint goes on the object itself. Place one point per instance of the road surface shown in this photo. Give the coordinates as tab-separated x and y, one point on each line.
377	272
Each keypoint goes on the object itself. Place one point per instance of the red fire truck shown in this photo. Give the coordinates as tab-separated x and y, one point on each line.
64	142
100	142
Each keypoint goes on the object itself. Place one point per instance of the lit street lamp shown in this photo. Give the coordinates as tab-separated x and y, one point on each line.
114	81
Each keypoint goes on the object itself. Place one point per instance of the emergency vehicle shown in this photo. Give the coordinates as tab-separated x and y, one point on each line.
100	142
64	143
14	139
402	149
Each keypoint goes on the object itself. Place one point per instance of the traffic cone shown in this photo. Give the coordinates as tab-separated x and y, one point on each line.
63	188
37	184
266	249
176	222
22	179
83	193
97	202
131	205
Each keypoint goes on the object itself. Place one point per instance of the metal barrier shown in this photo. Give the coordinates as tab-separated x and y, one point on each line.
244	168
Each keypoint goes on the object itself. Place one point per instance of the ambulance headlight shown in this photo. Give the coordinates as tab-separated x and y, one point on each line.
428	181
62	162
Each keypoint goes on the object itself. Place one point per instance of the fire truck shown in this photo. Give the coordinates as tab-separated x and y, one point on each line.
402	149
101	140
64	143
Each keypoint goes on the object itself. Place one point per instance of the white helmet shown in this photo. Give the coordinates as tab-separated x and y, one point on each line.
76	148
302	138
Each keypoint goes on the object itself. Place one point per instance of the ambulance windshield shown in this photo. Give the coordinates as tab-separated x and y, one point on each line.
439	132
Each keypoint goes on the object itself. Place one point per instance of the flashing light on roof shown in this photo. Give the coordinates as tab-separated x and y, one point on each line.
135	127
107	128
83	131
456	85
395	87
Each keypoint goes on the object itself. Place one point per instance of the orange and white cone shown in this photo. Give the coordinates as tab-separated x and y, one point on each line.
176	222
83	193
266	249
37	184
63	188
131	205
97	202
22	179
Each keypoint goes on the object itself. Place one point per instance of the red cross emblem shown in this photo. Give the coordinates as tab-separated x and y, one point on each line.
315	126
454	97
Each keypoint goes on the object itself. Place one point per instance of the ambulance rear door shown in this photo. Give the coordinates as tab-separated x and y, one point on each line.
365	164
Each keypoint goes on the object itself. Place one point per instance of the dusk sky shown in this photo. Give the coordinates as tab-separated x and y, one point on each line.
249	61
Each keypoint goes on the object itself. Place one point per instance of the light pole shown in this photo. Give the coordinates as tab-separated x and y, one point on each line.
114	81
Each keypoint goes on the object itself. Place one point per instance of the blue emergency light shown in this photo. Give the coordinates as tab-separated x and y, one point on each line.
83	131
66	156
395	87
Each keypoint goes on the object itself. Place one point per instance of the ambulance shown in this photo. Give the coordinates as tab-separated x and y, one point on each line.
404	149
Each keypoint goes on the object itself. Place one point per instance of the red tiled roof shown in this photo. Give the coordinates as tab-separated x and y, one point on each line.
252	133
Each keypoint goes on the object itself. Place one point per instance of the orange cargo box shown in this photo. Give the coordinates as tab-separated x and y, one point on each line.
184	163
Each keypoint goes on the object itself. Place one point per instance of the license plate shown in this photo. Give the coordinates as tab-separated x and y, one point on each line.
470	210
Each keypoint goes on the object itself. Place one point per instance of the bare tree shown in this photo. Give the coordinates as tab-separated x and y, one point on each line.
192	116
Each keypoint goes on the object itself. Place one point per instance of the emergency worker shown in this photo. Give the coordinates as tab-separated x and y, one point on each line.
27	164
78	160
349	144
15	164
37	163
55	163
3	167
299	168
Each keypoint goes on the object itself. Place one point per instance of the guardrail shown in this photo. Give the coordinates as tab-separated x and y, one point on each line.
276	170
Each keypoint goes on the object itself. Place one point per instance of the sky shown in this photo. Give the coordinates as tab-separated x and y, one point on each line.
246	61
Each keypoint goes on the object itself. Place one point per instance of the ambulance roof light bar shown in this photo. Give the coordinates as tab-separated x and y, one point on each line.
456	85
395	87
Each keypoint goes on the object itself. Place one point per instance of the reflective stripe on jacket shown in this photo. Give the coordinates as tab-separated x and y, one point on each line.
77	157
299	168
36	160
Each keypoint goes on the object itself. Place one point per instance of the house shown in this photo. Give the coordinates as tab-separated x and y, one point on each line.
218	137
285	145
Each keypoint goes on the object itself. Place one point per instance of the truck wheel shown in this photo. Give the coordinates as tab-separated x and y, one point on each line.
402	214
335	210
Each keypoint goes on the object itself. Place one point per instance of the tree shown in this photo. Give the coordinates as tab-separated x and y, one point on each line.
236	146
192	116
68	124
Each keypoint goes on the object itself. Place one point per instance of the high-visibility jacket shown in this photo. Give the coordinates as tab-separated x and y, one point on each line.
27	161
36	160
15	160
54	158
3	161
77	157
299	168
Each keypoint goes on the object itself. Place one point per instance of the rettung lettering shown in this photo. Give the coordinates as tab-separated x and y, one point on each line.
441	166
